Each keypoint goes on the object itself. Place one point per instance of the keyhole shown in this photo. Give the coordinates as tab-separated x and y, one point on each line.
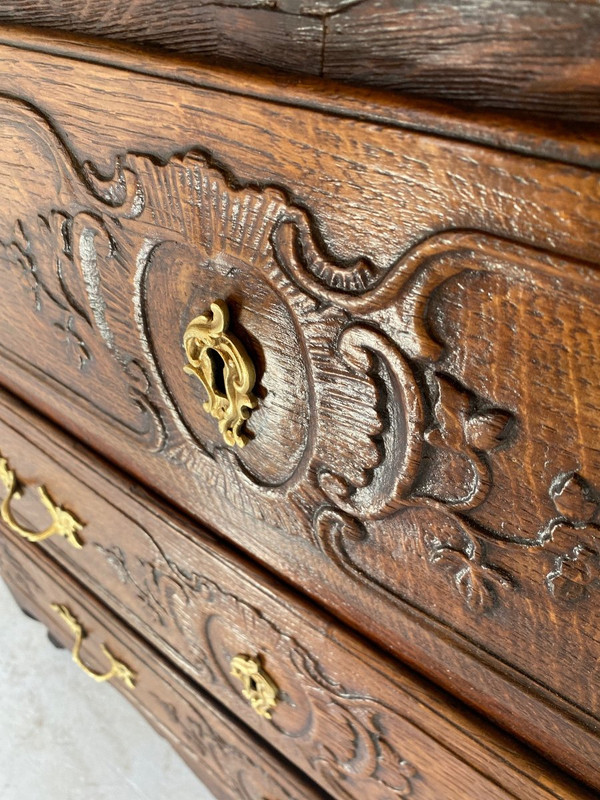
218	370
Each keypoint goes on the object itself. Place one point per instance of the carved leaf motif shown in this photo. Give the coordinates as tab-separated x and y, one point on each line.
46	252
75	346
575	498
458	471
476	584
15	257
575	575
456	552
167	595
487	429
146	579
460	555
362	755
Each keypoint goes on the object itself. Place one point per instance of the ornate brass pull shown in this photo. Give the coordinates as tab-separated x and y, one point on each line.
63	522
117	668
258	687
221	363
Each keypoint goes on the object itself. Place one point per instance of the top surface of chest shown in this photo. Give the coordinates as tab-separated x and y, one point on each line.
537	56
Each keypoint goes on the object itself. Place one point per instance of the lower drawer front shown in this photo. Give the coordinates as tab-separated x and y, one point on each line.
225	755
355	722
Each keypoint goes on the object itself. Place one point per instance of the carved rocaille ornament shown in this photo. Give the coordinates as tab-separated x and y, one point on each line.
418	416
220	362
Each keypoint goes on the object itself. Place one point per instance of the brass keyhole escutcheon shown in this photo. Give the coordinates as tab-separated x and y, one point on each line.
257	686
220	362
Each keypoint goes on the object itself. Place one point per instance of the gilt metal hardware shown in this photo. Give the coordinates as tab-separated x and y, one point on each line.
220	362
63	523
258	687
117	669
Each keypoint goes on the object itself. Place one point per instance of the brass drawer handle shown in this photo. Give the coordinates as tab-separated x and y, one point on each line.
221	363
117	668
63	522
258	686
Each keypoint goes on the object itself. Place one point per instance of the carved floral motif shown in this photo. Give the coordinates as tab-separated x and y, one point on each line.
575	499
575	574
478	583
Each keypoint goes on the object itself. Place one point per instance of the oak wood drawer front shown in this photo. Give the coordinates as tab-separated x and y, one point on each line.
360	725
225	755
421	313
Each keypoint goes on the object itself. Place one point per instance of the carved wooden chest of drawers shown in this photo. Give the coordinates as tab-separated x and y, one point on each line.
351	342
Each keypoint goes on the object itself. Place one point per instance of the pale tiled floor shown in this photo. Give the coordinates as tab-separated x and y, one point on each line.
63	737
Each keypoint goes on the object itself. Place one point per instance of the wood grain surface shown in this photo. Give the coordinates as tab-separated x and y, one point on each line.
228	758
556	139
422	311
358	724
536	57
